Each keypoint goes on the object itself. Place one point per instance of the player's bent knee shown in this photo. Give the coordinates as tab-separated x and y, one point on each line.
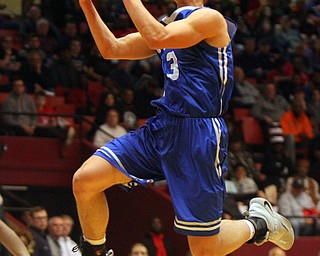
78	183
85	181
96	175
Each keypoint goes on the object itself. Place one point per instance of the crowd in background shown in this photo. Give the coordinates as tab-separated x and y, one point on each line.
277	80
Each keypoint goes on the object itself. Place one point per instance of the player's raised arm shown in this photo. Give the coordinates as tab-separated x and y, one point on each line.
132	46
204	24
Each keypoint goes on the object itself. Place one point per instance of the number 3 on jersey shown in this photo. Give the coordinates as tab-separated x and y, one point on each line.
171	57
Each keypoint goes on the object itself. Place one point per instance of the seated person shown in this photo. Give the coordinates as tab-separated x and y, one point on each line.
19	101
246	186
296	128
296	202
110	129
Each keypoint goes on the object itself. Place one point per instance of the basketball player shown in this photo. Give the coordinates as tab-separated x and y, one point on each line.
186	143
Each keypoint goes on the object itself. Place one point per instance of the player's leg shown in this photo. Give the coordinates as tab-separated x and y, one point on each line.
89	183
232	235
262	224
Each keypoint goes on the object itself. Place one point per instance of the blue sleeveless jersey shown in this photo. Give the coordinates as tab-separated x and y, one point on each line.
198	79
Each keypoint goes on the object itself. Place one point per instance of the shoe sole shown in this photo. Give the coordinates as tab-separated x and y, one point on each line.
286	241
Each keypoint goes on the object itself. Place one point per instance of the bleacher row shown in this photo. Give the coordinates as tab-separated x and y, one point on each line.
67	106
66	110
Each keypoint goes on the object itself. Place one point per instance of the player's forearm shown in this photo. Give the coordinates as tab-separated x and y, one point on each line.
149	28
11	241
105	40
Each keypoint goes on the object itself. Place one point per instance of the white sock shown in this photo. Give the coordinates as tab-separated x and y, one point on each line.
251	227
96	242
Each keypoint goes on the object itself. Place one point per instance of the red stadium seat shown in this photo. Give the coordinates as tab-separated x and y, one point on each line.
95	90
240	113
252	131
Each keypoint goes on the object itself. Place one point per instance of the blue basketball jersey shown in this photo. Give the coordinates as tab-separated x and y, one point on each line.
189	152
198	79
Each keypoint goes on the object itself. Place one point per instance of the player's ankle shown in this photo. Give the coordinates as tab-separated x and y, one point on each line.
89	249
261	230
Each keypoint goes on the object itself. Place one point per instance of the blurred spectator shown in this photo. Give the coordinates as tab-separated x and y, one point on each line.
69	33
146	90
121	76
156	241
269	108
276	251
29	25
36	75
282	69
246	187
77	58
38	228
286	34
247	59
239	155
128	110
106	102
48	41
265	25
55	226
265	58
300	95
138	249
97	68
276	166
32	44
294	202
64	73
311	185
244	93
297	130
65	241
19	101
9	59
109	130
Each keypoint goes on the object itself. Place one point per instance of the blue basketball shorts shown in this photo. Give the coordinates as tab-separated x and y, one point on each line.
190	153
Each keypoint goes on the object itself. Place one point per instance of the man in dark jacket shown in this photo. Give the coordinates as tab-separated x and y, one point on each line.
38	227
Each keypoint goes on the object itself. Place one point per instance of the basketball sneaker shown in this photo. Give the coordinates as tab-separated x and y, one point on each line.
269	225
88	249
